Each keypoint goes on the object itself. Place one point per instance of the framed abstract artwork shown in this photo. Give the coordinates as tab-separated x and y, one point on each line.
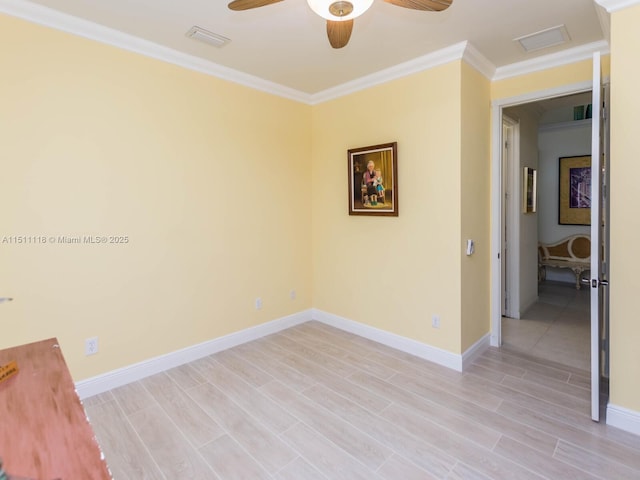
574	197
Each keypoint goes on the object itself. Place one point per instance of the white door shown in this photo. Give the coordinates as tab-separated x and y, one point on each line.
510	218
598	280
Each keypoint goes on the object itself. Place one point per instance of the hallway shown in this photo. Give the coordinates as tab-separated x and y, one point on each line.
556	328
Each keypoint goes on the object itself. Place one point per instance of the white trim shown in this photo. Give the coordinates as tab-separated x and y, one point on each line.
551	127
604	18
131	373
49	17
478	61
558	59
623	418
436	355
615	5
52	18
496	191
513	207
579	87
496	225
440	57
527	305
61	21
463	50
472	353
596	231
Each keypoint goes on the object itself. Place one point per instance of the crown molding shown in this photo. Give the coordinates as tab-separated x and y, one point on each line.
61	21
431	60
48	17
615	5
478	61
564	126
564	57
604	18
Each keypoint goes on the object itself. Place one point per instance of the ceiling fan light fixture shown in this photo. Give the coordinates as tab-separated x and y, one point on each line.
339	10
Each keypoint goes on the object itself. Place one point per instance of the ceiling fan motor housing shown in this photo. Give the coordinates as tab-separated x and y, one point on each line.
340	13
341	8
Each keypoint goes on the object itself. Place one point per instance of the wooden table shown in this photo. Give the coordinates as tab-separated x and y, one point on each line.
44	431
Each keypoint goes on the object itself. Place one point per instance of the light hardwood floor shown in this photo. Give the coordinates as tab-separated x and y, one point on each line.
314	402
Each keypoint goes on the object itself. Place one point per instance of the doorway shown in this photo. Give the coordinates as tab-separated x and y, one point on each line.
550	318
598	218
497	200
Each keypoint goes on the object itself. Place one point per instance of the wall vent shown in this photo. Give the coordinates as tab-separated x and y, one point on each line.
544	39
206	36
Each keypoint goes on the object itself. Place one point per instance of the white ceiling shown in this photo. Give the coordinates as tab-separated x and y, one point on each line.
286	43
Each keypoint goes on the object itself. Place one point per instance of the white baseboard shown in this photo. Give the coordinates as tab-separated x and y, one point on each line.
623	418
474	351
527	305
419	349
122	376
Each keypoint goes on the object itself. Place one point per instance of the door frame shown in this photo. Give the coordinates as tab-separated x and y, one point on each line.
511	212
497	107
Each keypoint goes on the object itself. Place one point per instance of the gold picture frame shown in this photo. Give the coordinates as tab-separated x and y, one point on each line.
530	190
574	196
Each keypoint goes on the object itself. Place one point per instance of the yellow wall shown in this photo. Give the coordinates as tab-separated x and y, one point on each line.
209	180
547	79
625	223
222	202
475	201
395	273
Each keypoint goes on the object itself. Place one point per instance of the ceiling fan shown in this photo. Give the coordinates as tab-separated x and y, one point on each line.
340	13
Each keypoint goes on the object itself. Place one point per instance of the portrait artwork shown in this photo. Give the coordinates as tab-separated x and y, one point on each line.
373	180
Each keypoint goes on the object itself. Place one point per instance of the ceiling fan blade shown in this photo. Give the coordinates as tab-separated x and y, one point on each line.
249	4
339	33
428	5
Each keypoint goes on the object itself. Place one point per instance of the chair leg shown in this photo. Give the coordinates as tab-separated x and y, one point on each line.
578	273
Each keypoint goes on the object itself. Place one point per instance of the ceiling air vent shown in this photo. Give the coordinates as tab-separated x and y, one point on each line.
206	36
544	38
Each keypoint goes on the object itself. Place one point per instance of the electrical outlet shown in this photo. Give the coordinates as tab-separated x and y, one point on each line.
435	321
258	303
292	294
91	346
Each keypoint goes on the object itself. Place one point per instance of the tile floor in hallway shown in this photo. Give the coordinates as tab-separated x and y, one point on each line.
557	327
313	402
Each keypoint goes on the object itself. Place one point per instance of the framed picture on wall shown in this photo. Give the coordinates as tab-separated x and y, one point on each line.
529	190
373	180
574	199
